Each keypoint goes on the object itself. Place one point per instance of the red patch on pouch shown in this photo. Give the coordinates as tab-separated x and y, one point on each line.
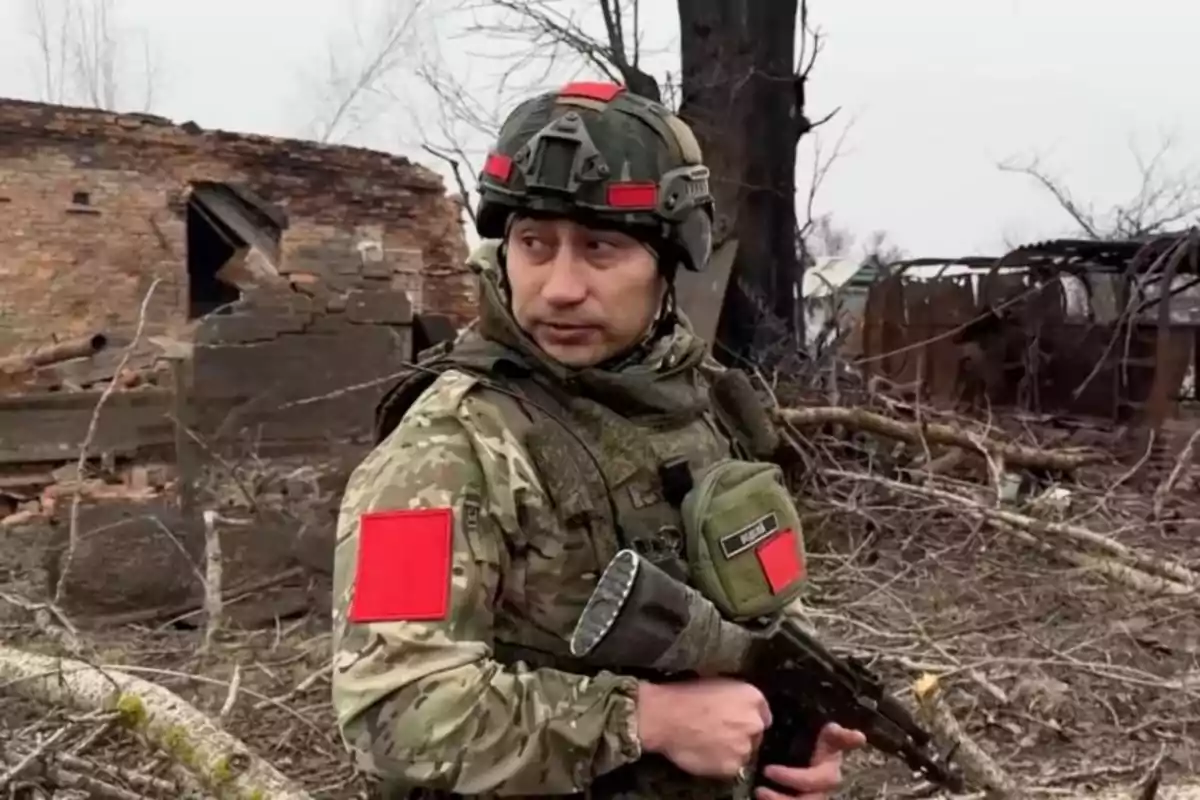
781	560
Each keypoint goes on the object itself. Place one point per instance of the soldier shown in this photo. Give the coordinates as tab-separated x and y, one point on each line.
512	465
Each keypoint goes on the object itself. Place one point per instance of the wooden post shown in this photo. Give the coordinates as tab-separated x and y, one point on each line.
185	461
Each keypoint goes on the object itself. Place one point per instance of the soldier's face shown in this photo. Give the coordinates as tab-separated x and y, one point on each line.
584	295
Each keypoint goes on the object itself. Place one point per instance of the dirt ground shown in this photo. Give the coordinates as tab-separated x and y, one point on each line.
1067	678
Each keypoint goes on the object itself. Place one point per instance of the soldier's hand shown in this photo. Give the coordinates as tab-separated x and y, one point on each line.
708	727
824	773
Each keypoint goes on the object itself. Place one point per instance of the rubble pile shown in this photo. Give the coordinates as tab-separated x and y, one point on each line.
87	363
27	497
30	491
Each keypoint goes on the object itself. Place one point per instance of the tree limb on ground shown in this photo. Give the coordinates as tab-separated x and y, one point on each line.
223	764
44	764
982	771
978	767
72	771
938	433
1174	577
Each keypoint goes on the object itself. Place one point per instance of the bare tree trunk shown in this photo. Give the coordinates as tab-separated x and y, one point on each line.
744	97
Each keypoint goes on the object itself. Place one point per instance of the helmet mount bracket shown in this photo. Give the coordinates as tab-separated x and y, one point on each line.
561	157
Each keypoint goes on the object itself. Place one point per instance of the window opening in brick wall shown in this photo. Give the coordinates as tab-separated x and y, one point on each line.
81	199
233	240
429	330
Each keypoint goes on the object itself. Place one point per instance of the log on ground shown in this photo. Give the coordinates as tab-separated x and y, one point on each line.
222	763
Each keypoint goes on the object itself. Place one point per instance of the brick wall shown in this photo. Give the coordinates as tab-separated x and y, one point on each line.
290	368
93	209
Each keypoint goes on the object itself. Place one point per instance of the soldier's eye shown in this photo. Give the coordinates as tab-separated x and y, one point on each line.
602	245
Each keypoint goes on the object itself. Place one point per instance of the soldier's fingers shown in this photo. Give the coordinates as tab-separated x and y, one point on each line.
764	709
835	740
763	793
818	778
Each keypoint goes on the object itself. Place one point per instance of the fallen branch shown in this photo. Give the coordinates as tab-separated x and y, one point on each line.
982	771
45	615
1178	574
938	433
223	764
43	764
1130	576
978	767
118	774
20	765
1180	792
1183	461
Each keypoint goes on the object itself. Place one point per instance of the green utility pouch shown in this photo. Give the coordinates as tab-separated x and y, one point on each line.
744	543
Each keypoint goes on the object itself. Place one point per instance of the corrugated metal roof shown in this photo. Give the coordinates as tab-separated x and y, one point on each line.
828	274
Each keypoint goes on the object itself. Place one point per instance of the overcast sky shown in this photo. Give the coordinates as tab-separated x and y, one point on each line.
937	91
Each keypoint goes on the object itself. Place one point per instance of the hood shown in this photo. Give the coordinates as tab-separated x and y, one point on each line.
657	377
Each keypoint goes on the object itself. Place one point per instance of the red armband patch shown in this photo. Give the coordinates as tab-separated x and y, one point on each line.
781	560
403	569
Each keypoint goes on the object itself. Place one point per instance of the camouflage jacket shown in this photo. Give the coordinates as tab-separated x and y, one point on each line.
470	691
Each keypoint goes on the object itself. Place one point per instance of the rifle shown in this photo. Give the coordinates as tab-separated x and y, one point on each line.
641	618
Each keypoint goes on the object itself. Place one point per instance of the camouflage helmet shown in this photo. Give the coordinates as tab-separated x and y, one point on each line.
599	154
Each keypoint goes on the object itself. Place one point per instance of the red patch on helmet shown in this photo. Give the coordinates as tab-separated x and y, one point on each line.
403	569
781	560
632	195
498	166
592	90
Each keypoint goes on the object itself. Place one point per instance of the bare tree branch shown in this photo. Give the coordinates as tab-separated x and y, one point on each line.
362	72
618	54
822	164
1083	218
52	51
812	43
457	104
80	53
464	192
1166	197
543	24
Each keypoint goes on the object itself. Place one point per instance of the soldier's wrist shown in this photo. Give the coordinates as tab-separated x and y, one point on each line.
647	715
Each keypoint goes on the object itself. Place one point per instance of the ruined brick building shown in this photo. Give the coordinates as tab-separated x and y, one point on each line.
95	205
293	266
285	275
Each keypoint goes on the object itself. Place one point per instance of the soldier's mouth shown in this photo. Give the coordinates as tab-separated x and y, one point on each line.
566	334
558	326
